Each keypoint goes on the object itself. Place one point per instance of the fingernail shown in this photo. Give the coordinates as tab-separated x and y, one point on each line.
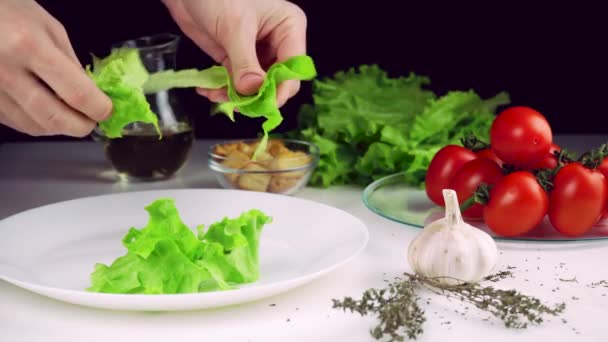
250	82
107	111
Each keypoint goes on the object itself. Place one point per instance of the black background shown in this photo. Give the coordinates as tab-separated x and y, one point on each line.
550	57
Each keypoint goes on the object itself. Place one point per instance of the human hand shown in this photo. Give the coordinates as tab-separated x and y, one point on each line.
246	36
43	88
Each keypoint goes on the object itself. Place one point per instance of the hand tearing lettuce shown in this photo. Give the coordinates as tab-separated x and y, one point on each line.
166	257
123	77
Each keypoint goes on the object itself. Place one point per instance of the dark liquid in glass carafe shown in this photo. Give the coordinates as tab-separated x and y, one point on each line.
141	154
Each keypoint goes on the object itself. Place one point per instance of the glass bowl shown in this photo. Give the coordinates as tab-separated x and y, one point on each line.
283	168
392	198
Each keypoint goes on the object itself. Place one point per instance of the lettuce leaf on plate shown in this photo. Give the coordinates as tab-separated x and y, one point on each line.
232	246
166	257
127	81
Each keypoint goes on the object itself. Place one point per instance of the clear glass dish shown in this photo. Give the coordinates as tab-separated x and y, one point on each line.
391	198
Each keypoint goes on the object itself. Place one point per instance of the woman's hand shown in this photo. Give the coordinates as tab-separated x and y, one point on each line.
43	88
246	36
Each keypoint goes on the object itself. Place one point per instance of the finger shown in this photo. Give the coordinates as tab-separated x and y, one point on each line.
62	41
215	95
195	31
287	90
289	37
42	106
71	83
58	34
205	43
240	45
13	116
266	54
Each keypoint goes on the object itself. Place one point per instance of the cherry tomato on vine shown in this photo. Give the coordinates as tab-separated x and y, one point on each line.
468	178
547	161
578	199
442	168
489	154
603	168
554	148
517	204
520	135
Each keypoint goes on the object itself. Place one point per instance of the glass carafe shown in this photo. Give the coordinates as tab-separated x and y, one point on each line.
139	154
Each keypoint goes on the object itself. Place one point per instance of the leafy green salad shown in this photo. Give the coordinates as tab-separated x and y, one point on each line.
369	125
166	257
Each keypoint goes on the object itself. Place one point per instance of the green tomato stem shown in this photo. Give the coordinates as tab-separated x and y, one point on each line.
468	203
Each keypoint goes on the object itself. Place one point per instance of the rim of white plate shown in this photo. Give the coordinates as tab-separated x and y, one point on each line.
285	284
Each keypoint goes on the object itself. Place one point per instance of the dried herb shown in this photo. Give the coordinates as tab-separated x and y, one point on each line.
498	276
396	306
601	283
400	315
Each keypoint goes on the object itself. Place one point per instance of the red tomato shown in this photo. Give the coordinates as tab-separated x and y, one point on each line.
468	178
520	135
603	168
444	165
517	204
554	148
578	199
547	161
489	154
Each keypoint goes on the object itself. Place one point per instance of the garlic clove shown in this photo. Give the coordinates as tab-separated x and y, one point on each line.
450	250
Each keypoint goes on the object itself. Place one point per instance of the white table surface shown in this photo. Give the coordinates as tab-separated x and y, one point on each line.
34	174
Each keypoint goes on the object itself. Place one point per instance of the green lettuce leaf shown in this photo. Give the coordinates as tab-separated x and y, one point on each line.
264	103
445	120
214	77
353	106
164	224
369	125
238	258
124	79
121	76
167	257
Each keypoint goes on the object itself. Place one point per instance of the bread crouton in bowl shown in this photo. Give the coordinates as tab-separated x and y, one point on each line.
284	167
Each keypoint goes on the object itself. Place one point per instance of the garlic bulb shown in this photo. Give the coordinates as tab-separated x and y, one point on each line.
450	250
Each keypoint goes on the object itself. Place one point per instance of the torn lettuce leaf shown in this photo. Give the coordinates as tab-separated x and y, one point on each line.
166	257
211	78
121	76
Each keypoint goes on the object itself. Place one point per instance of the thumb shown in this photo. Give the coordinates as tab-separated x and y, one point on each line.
247	74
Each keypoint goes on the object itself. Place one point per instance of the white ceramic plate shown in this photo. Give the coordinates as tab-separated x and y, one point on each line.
52	250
